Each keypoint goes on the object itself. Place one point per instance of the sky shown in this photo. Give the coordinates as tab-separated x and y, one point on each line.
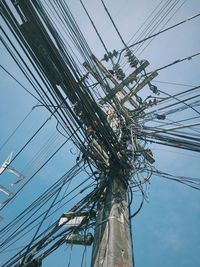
166	231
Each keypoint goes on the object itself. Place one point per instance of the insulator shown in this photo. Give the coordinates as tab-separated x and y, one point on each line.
115	53
111	72
110	55
116	67
132	59
153	88
120	75
139	99
128	53
106	58
119	72
155	101
160	116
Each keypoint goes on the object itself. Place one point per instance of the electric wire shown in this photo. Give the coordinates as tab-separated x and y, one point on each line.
52	236
99	36
113	23
169	28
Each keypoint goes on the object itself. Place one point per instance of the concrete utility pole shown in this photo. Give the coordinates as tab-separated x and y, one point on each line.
112	239
119	142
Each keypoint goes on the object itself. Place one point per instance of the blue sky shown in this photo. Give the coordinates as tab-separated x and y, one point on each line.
166	232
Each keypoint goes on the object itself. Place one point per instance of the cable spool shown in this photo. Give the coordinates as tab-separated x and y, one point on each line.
132	59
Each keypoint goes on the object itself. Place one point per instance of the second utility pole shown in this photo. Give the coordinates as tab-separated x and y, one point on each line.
112	239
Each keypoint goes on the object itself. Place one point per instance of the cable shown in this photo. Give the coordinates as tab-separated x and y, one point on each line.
12	237
36	171
188	181
177	61
15	130
94	27
67	90
174	83
170	10
109	15
169	28
39	226
180	101
44	240
20	84
138	210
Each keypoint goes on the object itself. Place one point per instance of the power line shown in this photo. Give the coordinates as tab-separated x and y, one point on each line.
21	84
36	171
100	38
109	15
110	136
15	130
178	61
175	83
169	28
170	10
180	101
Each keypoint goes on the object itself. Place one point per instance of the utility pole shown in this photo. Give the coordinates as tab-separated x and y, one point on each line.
112	240
110	133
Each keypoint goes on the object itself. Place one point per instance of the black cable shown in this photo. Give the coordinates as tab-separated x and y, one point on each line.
31	53
147	20
169	28
13	236
180	101
79	206
161	20
174	83
177	61
109	15
138	210
191	182
41	222
153	35
20	83
94	27
15	130
36	172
